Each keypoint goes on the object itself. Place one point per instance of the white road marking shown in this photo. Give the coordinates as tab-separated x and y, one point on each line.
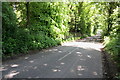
66	55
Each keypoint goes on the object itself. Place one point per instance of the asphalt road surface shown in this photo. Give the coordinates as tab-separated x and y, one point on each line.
78	59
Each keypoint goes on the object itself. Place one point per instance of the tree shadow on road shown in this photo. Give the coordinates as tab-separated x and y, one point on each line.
67	61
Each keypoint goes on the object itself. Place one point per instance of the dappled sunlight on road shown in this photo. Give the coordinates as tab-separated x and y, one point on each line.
55	49
59	51
31	61
82	59
85	45
80	68
50	50
62	63
26	57
11	74
45	64
14	65
56	70
80	74
95	73
35	67
3	69
78	52
88	56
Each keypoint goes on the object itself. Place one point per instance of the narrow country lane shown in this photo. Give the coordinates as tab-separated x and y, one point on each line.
78	59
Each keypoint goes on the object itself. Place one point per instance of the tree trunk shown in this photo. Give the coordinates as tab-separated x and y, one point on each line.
27	14
112	6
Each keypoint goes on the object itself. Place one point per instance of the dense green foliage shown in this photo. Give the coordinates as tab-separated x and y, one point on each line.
110	16
19	38
9	29
109	23
39	25
112	32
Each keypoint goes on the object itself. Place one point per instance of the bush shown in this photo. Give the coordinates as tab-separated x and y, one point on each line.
113	46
